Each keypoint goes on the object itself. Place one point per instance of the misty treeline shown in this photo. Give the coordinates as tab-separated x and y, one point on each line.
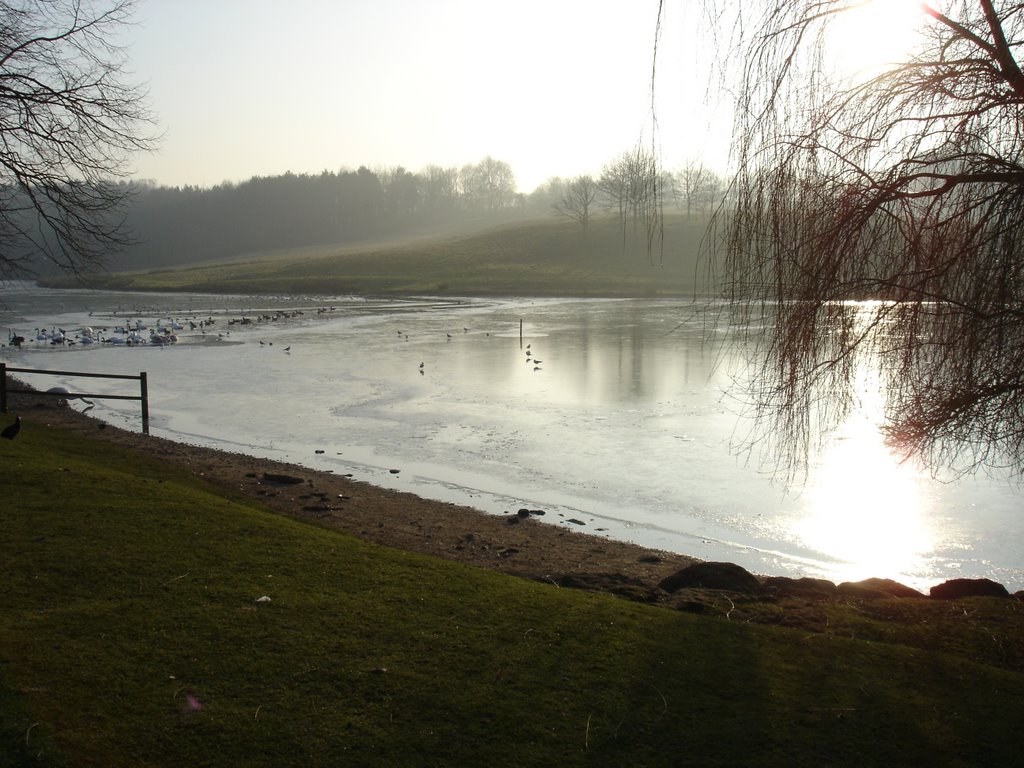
637	190
179	225
174	226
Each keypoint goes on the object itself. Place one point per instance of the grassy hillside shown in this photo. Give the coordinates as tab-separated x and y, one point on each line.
544	257
131	633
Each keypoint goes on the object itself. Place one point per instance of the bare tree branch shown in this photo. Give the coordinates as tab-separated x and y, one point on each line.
577	200
68	126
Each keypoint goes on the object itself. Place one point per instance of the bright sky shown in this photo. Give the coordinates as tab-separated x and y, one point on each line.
553	87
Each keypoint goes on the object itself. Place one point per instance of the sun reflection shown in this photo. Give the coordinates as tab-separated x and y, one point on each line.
866	510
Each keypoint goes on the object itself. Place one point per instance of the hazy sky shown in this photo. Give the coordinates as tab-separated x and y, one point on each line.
553	87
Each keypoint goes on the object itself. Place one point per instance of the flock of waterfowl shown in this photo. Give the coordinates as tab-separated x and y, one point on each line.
160	333
127	335
164	332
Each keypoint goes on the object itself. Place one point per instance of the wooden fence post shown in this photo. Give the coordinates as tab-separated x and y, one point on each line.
143	385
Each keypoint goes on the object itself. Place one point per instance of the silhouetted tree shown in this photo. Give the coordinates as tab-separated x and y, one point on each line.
68	122
632	187
906	188
613	184
696	185
489	184
576	200
648	191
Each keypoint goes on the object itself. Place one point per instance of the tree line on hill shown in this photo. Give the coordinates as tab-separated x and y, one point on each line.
178	225
175	226
182	225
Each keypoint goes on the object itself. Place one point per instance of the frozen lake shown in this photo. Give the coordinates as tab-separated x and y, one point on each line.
610	412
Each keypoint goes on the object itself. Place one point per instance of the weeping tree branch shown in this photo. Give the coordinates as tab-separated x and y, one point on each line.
879	225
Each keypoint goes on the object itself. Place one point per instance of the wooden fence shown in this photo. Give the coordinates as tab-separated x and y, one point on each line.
143	395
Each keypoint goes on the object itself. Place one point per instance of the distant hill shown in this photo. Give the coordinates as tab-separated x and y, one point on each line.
541	257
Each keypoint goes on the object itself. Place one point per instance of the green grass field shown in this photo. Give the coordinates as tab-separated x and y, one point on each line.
548	257
131	635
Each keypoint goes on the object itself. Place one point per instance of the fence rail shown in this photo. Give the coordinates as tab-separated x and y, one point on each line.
143	395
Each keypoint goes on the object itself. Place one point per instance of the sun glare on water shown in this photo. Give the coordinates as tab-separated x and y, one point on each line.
868	37
867	511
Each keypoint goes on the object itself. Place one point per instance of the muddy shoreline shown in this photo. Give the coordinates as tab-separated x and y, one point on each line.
520	543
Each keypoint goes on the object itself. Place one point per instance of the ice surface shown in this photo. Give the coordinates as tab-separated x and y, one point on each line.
608	411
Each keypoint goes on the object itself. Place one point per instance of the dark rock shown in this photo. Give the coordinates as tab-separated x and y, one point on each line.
319	451
574	521
877	588
807	588
611	583
726	576
537	512
954	589
523	513
394	471
270	477
652	559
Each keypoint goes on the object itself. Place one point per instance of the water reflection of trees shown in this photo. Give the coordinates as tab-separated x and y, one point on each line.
634	356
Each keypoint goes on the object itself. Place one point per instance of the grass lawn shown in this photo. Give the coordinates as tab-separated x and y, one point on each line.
131	634
546	257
